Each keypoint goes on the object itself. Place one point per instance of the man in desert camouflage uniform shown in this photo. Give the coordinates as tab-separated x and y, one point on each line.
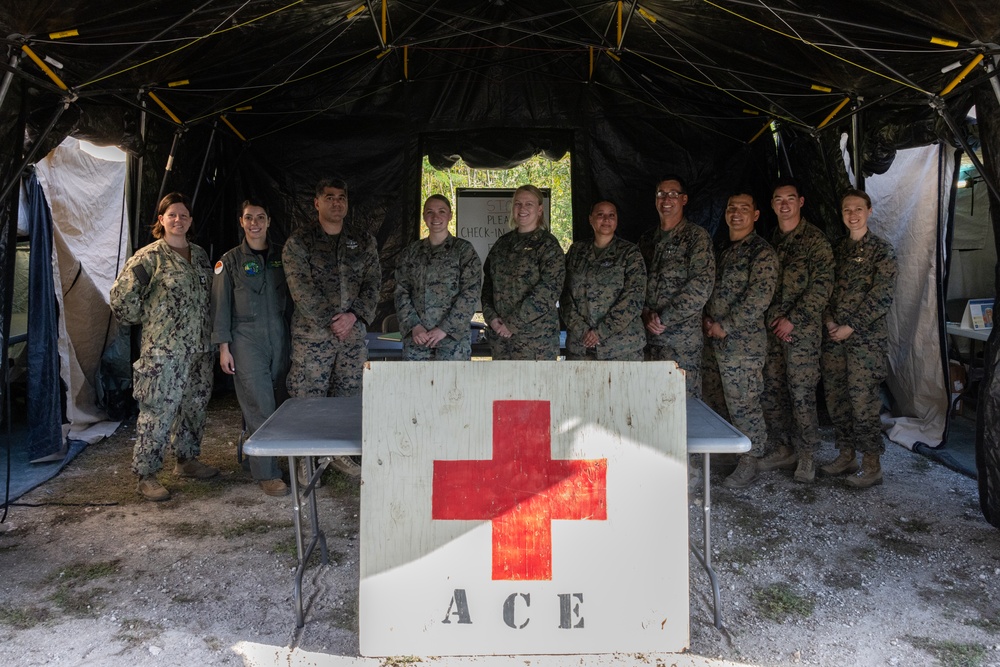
794	321
333	276
680	272
605	286
746	273
438	279
857	337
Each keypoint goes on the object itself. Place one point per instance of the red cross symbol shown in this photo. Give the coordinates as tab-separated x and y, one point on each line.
521	490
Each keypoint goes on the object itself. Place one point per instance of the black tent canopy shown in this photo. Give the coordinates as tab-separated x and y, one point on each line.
221	98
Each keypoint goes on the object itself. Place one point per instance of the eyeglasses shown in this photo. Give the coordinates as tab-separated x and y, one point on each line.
668	194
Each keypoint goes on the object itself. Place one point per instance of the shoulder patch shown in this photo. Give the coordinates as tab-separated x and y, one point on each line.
218	267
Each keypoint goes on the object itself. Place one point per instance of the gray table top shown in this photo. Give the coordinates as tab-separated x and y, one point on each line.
332	427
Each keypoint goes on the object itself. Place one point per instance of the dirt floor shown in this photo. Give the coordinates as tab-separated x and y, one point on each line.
903	574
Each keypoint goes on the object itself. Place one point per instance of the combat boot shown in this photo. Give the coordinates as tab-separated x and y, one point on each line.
870	475
195	469
151	489
782	458
744	475
846	463
805	472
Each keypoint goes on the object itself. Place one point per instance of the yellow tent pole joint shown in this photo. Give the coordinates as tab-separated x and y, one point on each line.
163	106
821	89
760	132
961	75
44	67
619	12
385	20
231	127
383	54
614	56
246	108
941	41
354	12
833	113
646	15
751	112
175	84
406	63
590	74
64	33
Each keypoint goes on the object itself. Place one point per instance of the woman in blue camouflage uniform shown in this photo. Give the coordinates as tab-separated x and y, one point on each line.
438	280
250	314
165	288
522	278
855	340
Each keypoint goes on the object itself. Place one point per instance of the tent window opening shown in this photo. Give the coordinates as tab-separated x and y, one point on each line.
551	175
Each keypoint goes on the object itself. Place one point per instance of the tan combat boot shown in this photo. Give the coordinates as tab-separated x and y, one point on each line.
744	475
782	458
846	463
870	475
805	472
151	489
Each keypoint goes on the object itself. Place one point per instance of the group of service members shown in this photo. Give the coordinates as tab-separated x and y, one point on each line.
759	320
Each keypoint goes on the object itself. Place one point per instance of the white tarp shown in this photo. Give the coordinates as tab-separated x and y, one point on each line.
86	197
906	211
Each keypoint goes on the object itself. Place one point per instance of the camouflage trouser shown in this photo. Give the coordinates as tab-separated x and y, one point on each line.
688	357
791	373
517	348
260	387
448	349
173	395
852	373
741	380
326	368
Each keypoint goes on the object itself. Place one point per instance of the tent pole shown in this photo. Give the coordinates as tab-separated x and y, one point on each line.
901	77
137	204
204	165
16	175
991	182
9	76
859	171
170	165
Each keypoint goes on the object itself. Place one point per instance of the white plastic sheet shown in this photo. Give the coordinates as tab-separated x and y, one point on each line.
90	242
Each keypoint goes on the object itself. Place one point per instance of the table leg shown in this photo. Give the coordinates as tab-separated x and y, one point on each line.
304	551
706	559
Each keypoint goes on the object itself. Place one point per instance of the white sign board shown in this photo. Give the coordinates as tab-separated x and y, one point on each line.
523	508
482	215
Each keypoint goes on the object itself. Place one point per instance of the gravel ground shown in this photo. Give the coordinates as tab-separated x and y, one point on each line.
907	573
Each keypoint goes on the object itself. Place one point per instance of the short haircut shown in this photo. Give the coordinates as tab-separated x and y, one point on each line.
854	192
787	182
440	198
165	203
744	191
674	177
330	182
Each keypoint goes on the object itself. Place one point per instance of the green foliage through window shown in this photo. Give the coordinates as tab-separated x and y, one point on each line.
537	171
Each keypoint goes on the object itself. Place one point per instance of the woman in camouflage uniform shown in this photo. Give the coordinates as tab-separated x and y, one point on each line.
522	278
438	279
605	288
165	288
855	340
